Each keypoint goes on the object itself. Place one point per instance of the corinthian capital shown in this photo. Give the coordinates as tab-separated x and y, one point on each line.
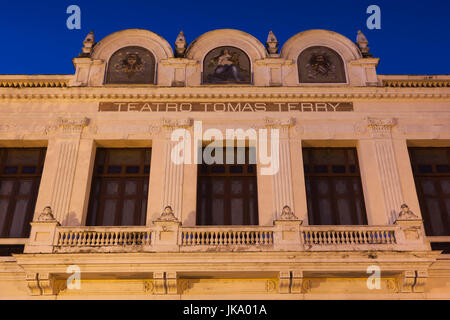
72	125
380	128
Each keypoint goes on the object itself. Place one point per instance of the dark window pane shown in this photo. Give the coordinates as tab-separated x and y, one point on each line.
218	169
133	169
19	181
320	169
11	170
443	169
227	194
114	169
120	199
236	169
338	169
19	216
432	179
425	169
6	188
23	156
334	195
29	170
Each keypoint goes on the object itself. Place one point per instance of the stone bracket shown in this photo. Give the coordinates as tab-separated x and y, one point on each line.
414	281
165	282
40	284
291	282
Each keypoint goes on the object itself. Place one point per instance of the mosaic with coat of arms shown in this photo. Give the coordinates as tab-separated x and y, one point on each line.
320	65
131	65
226	65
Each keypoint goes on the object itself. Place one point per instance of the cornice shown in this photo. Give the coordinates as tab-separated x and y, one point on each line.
225	93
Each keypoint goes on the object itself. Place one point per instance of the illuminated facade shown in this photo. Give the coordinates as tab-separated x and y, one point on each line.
358	180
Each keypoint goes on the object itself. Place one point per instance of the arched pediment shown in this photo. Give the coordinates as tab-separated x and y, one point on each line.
207	42
154	43
316	38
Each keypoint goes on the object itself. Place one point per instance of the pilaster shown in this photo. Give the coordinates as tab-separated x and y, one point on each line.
380	130
282	179
174	172
59	170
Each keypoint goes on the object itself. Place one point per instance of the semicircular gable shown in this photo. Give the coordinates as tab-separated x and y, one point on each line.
157	45
320	38
204	44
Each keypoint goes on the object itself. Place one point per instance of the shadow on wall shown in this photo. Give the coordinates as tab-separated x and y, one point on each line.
71	220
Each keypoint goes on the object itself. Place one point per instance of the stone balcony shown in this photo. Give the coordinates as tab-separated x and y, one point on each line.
168	235
167	258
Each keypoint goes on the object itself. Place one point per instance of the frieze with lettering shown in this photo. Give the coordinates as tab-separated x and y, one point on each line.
294	106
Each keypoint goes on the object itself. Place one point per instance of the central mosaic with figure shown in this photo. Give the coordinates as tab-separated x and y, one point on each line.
226	65
131	65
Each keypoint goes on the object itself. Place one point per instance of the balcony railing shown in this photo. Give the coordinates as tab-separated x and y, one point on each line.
220	236
70	238
327	237
170	236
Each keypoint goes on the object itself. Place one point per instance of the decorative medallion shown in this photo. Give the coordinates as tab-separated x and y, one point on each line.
131	65
226	65
320	65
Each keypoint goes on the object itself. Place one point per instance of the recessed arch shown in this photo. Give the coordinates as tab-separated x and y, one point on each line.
225	65
131	65
198	49
320	64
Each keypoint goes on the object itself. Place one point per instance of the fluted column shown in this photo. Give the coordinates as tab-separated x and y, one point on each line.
380	130
173	172
59	171
282	180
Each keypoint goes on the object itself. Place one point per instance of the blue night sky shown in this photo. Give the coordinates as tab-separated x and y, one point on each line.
414	36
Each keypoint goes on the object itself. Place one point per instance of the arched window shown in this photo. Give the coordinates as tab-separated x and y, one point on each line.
225	65
320	65
131	65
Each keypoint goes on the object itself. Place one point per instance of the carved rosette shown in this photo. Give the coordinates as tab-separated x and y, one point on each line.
380	128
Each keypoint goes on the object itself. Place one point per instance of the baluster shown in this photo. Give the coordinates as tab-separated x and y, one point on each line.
220	236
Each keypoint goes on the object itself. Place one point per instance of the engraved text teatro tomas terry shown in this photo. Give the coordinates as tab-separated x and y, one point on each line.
226	106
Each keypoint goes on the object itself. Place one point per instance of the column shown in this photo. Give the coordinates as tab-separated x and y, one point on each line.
60	165
173	172
282	180
380	130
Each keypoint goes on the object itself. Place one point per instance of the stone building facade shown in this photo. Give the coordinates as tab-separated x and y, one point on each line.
358	184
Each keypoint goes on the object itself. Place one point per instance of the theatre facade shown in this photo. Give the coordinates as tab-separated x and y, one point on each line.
225	169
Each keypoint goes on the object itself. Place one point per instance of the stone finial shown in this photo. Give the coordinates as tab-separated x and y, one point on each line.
180	45
167	215
88	44
406	214
272	43
46	215
287	214
362	43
